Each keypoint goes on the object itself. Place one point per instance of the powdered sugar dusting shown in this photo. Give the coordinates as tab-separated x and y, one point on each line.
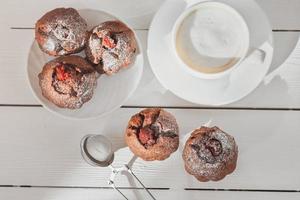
208	152
73	87
61	31
152	134
120	50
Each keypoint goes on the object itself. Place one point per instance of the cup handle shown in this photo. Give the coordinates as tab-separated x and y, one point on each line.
256	56
260	55
261	52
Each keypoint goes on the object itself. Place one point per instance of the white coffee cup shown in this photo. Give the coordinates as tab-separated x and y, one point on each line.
210	39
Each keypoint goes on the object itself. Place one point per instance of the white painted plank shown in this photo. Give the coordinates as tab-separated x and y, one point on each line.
96	194
44	150
137	13
282	14
282	91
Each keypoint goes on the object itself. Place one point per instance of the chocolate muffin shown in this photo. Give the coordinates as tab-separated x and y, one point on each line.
111	46
61	31
152	134
68	81
210	154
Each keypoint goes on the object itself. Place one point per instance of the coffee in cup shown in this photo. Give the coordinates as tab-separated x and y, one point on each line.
210	39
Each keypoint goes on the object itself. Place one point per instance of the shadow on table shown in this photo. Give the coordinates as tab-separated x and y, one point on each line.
275	80
284	44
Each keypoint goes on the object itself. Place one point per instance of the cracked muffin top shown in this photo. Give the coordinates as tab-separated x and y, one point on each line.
210	154
152	134
68	81
61	31
111	46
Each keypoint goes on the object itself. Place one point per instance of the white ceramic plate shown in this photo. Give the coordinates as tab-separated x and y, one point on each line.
241	81
111	91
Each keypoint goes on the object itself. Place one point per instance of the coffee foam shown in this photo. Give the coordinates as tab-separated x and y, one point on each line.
211	39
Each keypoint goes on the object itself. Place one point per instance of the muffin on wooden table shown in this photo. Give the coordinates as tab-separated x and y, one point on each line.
210	154
111	46
61	31
68	81
152	134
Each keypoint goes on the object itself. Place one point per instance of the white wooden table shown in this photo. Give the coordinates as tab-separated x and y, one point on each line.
40	154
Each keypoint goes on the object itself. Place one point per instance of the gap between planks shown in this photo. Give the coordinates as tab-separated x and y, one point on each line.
78	187
146	29
173	107
241	190
135	188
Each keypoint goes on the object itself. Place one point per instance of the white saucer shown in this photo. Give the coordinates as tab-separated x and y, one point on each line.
111	91
234	87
